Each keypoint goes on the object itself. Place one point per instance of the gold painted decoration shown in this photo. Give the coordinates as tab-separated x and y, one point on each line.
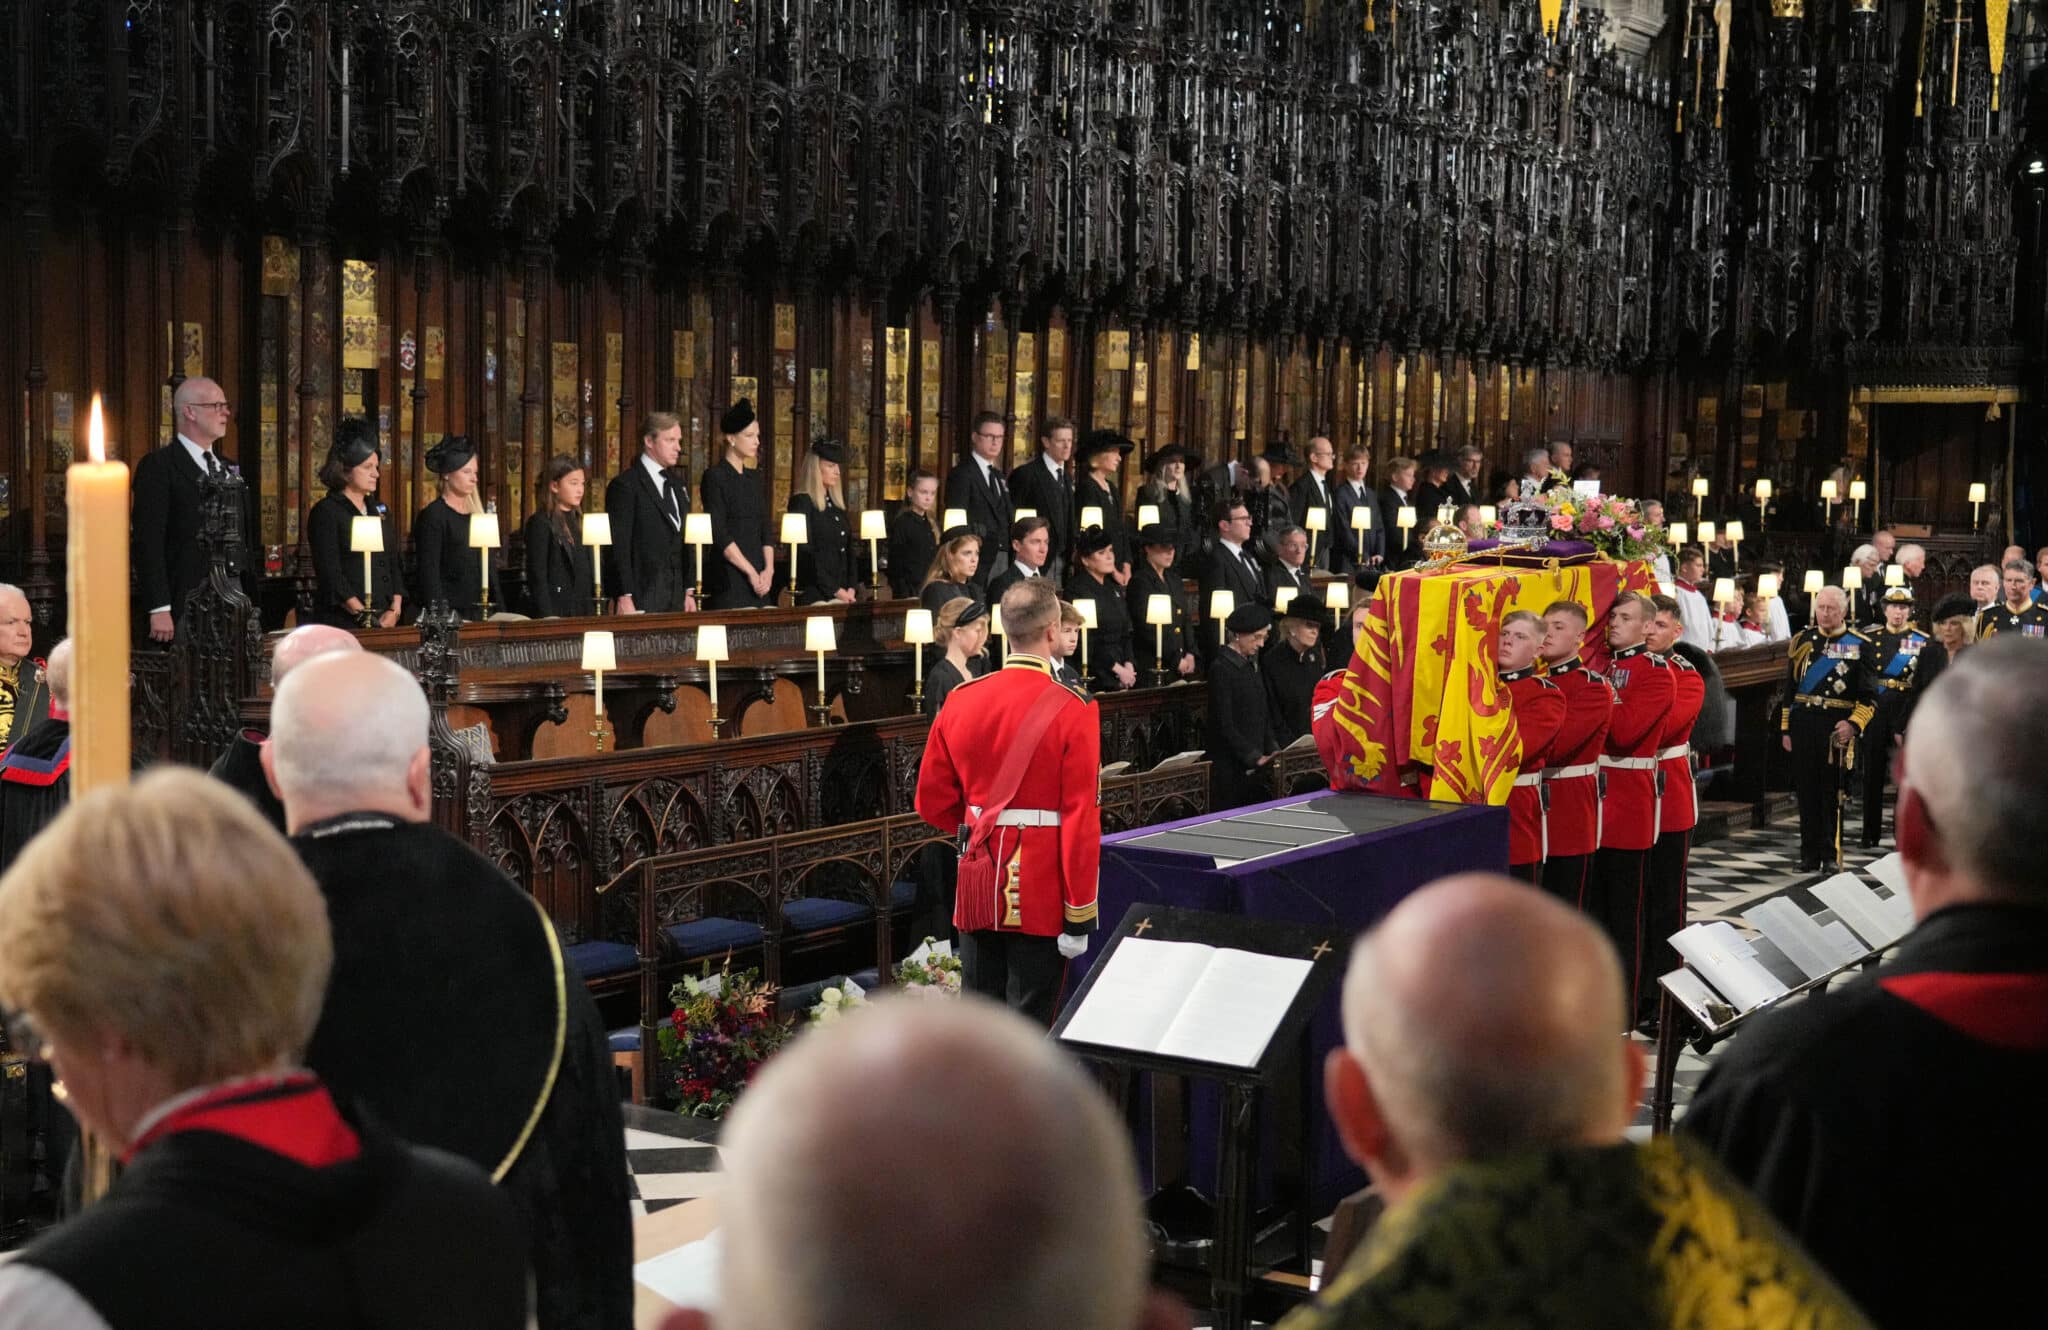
436	353
1238	396
1027	352
1997	13
1056	348
192	347
785	327
351	392
564	369
280	266
358	314
683	353
1774	396
1118	354
1194	360
821	404
1141	383
1056	391
896	382
614	379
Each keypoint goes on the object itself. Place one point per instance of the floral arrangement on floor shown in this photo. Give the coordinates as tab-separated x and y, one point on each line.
836	1002
930	971
1610	524
723	1028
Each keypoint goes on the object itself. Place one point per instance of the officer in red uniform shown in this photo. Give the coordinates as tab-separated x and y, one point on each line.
1538	707
1571	783
1012	764
1677	803
1643	693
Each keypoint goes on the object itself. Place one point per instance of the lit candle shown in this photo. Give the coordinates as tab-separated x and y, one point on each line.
874	524
1091	516
955	517
1405	519
483	538
1337	595
366	537
697	534
96	506
1815	580
597	533
1086	609
1852	578
711	649
796	530
1148	515
1221	603
600	653
818	637
917	630
1767	585
1159	613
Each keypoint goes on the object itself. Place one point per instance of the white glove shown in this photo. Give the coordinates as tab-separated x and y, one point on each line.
1072	945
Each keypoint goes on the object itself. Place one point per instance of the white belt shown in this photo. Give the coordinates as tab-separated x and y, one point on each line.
1629	763
1571	773
1529	778
1671	754
1021	817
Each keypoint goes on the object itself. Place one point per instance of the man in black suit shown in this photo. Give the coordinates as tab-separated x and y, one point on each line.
646	502
1290	566
1435	490
977	487
1395	494
1230	566
169	560
1029	544
1046	485
1465	485
1313	490
1359	551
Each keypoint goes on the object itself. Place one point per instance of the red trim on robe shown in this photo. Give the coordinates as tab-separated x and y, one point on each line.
293	1117
2003	1010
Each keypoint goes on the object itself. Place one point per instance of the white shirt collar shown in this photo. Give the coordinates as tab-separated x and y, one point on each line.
660	476
1051	465
985	465
199	454
1233	548
1293	569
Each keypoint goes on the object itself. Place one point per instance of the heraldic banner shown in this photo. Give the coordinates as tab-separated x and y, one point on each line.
1420	712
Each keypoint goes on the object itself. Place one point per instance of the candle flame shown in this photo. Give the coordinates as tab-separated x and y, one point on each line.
96	433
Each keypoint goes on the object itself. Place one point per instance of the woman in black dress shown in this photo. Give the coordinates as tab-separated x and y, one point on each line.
1168	488
824	571
952	570
1109	656
739	568
559	579
962	626
914	535
1102	454
449	570
350	474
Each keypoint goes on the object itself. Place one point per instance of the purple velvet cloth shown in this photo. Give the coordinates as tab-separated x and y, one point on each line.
1347	884
1556	549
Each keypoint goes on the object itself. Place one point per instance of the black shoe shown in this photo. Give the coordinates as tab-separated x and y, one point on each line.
1809	866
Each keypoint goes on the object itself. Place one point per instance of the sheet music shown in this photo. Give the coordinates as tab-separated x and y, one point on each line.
1890	873
1186	1000
1859	907
1710	1008
1727	962
1815	949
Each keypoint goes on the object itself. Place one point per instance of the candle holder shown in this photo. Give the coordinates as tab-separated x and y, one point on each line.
367	619
821	714
597	732
596	531
598	605
483	538
796	532
874	526
1829	497
917	630
600	653
717	724
820	637
1089	623
1858	492
697	534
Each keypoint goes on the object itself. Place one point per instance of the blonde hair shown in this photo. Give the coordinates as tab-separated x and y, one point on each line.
169	914
949	617
1394	466
942	562
810	480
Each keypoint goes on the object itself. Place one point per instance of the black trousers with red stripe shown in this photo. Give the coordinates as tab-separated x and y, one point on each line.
1022	969
1663	913
1564	876
1615	899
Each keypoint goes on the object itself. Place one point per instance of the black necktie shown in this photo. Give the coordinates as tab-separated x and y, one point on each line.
668	500
212	463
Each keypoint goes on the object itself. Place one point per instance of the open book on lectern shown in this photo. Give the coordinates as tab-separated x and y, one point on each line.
1187	1000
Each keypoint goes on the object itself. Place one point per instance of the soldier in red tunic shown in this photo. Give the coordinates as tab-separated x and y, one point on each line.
1643	694
1571	783
1677	803
1538	707
1012	764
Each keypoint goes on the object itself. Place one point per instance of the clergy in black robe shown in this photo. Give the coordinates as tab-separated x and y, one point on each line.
35	783
240	767
449	571
1292	664
1240	735
453	1019
741	546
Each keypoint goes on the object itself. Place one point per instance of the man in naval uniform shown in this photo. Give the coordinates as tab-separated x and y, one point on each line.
1012	764
24	696
1906	663
1828	702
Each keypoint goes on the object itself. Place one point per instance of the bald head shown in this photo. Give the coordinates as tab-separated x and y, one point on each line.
300	645
1485	1018
57	673
348	733
976	1171
200	410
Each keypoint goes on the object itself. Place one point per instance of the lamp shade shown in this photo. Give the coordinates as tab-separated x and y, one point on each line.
1852	578
697	528
1316	519
597	528
1337	595
818	634
483	531
1815	580
1148	515
1086	609
796	529
1894	575
1091	516
995	620
1283	597
1699	487
1706	533
1159	610
366	534
1361	518
1977	492
953	517
711	643
874	524
1405	518
1667	588
1733	531
1830	491
1763	488
1767	585
1221	603
1858	490
917	627
1023	513
1488	514
1678	532
1724	590
599	651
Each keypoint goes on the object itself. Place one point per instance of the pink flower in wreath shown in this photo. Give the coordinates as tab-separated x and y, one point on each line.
1604	522
1560	522
1635	533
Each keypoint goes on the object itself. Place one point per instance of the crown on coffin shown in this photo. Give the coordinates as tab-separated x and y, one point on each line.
1525	520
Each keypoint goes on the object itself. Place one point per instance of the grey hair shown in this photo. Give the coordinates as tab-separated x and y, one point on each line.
346	724
9	589
1531	454
1836	592
1863	553
1973	756
1908	553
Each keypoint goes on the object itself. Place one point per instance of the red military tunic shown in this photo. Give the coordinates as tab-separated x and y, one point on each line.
1679	807
1573	776
1643	693
1538	706
1047	876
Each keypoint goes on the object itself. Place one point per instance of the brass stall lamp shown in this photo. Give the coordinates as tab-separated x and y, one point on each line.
1977	496
1699	496
1767	586
1830	495
819	637
1852	578
1089	623
1283	597
954	517
597	535
874	526
1091	517
1317	521
1815	580
711	649
1159	613
1894	575
1489	516
600	653
1706	533
1337	596
995	628
483	538
697	534
1405	519
366	537
1148	515
1858	492
1763	501
796	530
1221	603
1678	531
917	630
1733	531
